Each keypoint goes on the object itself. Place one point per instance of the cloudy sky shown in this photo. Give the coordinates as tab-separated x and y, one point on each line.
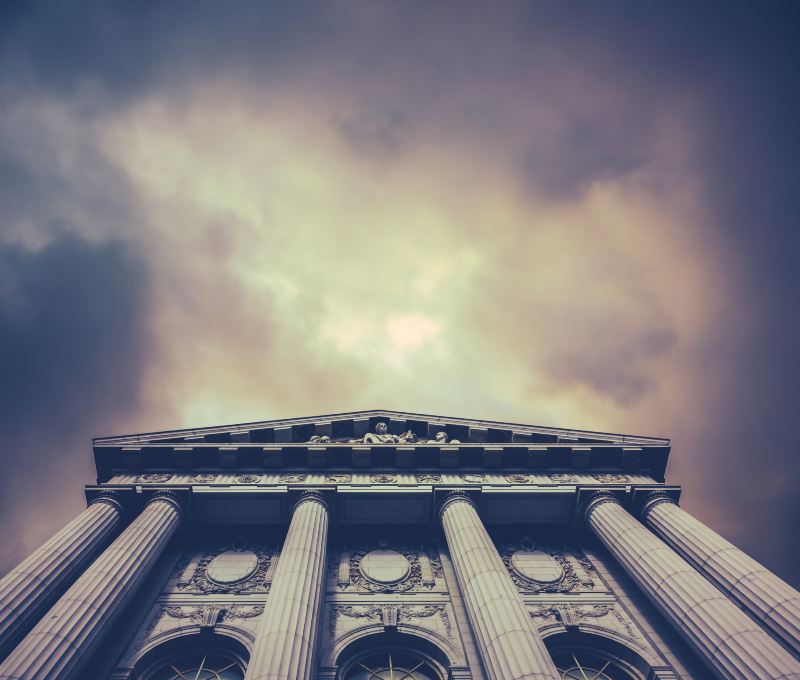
570	215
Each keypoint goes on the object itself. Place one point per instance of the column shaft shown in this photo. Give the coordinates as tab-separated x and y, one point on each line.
29	589
510	645
758	591
731	643
286	638
64	640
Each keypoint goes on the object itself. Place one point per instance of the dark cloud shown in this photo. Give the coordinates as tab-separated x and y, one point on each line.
74	345
569	98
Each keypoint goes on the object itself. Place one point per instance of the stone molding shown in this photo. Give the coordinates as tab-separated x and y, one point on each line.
569	581
652	499
453	497
172	498
313	496
422	574
114	499
596	498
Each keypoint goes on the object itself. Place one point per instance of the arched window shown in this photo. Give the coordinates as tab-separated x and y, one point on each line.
584	656
392	656
199	665
576	664
391	664
199	657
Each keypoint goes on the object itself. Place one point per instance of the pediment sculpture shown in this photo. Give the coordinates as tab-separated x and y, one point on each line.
381	435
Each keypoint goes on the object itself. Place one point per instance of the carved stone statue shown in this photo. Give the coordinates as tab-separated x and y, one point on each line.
381	435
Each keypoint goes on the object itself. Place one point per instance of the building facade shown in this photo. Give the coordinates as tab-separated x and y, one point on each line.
390	546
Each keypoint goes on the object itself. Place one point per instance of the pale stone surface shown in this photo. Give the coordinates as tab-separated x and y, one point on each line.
509	644
732	644
767	598
537	566
27	590
63	641
232	566
385	566
287	634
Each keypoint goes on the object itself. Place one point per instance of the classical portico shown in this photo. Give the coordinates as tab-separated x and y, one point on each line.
390	545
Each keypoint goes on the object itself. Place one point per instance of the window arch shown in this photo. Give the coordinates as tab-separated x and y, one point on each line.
200	657
392	655
583	656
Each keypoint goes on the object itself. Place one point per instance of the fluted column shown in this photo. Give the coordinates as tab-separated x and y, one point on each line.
287	633
728	640
27	590
510	645
63	641
770	600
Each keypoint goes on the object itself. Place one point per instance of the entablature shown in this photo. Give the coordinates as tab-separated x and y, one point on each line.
544	504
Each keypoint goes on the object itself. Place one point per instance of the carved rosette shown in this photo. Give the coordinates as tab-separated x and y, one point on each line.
195	579
423	569
153	478
563	479
518	479
248	479
202	478
612	478
428	478
565	556
471	478
339	478
383	479
293	478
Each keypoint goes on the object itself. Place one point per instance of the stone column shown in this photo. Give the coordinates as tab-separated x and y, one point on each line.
66	637
285	643
510	645
28	590
771	601
728	640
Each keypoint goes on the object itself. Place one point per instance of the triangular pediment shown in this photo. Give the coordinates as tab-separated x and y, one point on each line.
400	428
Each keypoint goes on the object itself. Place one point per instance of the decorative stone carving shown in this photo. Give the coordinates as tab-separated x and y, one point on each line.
518	479
247	567
537	566
248	479
515	555
239	612
197	614
390	615
473	478
563	479
572	616
232	566
339	478
385	566
373	612
381	435
612	478
408	611
153	478
202	478
293	478
383	479
360	580
428	478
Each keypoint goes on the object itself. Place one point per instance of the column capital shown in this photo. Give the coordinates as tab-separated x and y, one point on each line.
454	496
651	500
316	496
112	498
170	497
597	498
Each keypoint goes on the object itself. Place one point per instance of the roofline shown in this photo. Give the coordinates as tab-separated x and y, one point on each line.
658	441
